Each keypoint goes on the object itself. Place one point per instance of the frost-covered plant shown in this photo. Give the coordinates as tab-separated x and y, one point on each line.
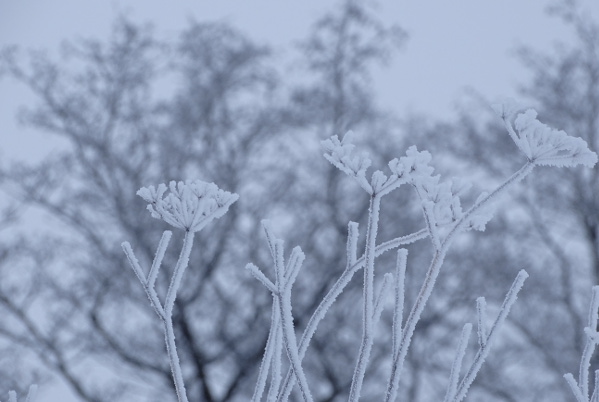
444	219
190	206
581	389
12	395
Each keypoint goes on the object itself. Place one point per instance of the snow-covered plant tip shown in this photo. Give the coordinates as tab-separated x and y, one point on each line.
192	205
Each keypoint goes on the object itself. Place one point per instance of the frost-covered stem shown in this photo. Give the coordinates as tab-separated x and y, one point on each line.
410	326
400	278
456	367
595	396
574	387
173	357
169	303
368	302
182	263
160	251
431	277
268	354
289	338
378	304
275	377
332	295
165	313
481	314
483	351
589	348
465	219
429	219
150	291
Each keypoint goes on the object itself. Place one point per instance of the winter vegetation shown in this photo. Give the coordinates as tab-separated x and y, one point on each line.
436	258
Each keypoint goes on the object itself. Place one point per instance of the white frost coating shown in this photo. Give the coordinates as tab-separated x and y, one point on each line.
255	271
412	166
332	295
574	387
190	205
296	259
289	339
581	390
592	340
368	301
378	305
483	351
481	315
275	383
352	244
443	196
164	240
269	353
400	279
341	155
543	145
595	396
478	221
456	367
282	318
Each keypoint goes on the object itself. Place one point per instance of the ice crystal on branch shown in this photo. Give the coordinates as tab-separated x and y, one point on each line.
190	205
543	145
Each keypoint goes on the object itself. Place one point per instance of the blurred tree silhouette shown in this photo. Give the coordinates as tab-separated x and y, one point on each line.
136	110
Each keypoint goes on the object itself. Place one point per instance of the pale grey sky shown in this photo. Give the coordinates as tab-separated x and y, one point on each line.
453	45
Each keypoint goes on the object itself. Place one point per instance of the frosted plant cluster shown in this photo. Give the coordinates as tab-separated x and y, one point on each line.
191	205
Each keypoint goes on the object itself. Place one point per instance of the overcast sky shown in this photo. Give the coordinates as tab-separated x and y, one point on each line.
453	45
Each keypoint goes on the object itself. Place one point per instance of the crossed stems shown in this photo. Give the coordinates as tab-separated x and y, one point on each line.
353	265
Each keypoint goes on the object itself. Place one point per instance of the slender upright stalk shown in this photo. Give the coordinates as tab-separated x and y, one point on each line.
368	309
332	295
169	332
433	273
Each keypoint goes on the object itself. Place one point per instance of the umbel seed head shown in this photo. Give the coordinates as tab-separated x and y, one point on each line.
189	205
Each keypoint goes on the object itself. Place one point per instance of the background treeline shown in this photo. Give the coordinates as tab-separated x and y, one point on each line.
137	109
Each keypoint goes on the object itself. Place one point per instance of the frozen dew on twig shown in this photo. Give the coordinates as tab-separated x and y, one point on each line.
189	205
